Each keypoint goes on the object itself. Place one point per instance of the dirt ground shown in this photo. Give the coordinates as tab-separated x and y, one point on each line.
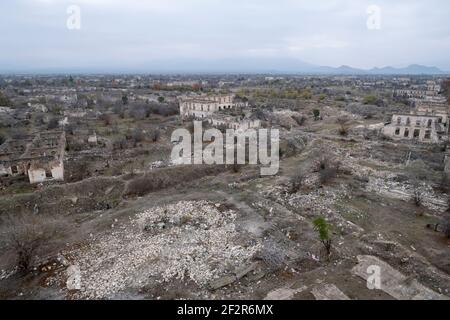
290	255
270	230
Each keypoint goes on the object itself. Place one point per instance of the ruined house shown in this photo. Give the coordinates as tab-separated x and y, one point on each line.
204	106
236	123
40	157
428	123
420	127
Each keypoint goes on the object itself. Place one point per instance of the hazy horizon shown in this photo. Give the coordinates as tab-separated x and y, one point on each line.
169	35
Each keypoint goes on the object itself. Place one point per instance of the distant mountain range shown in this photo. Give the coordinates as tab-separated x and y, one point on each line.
413	69
238	65
280	66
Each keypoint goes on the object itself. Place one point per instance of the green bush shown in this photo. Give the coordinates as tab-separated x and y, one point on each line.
323	229
370	99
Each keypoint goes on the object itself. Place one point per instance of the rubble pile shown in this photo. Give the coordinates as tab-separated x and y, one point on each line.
189	240
405	191
320	202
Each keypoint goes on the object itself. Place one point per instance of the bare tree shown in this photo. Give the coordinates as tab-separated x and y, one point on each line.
417	196
26	234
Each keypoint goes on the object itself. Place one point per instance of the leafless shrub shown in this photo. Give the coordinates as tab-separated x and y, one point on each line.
168	177
301	119
27	235
417	171
106	118
236	168
417	196
444	183
119	110
39	119
272	256
75	145
343	126
119	143
17	133
52	124
163	109
327	168
137	136
70	129
327	174
447	226
138	112
154	135
296	182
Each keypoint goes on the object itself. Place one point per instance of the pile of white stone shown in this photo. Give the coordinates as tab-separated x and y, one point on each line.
189	240
405	191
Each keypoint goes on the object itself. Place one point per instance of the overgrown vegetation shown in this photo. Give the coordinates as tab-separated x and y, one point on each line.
316	114
370	99
4	100
169	177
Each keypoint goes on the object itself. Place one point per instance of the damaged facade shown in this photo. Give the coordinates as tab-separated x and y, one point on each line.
215	109
40	157
204	106
235	123
428	123
423	128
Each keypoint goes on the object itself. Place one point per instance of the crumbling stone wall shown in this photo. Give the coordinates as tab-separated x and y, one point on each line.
40	158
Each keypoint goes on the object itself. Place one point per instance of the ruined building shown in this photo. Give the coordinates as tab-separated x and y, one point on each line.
201	107
216	110
236	123
39	156
425	128
428	123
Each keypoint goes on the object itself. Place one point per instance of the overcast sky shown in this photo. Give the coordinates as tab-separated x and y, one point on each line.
134	33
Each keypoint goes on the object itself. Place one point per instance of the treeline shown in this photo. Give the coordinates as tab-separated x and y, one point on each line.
278	93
